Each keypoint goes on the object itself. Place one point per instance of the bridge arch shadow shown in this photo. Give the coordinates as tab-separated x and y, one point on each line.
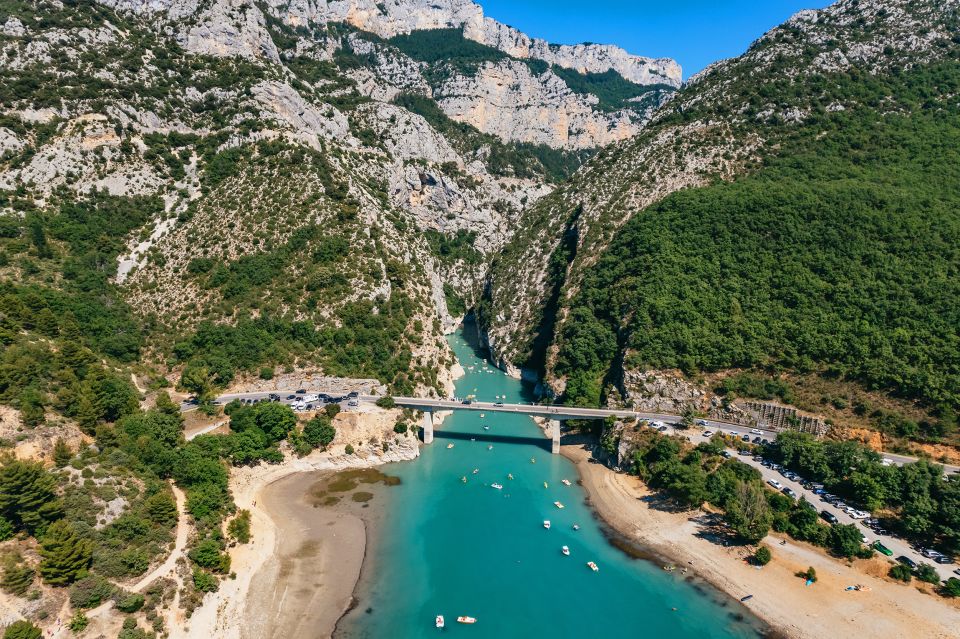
539	442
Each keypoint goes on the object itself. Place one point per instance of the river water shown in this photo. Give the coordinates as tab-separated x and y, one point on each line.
454	548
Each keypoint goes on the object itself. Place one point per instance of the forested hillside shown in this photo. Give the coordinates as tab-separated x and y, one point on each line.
841	255
791	212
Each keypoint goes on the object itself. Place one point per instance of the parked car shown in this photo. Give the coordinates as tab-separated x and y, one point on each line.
302	391
883	550
829	517
498	403
756	431
467	402
930	552
708	433
291	396
701	422
745	438
775	484
943	559
957	572
756	440
789	492
906	561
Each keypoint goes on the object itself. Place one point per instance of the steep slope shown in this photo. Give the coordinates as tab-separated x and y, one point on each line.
278	164
743	276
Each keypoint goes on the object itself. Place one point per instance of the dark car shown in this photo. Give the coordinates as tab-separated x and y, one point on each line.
829	517
291	396
745	438
943	559
906	561
353	395
302	391
467	402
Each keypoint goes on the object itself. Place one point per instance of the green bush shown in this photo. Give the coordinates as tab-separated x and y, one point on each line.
951	587
386	401
90	592
65	555
927	573
901	573
400	427
204	581
239	527
762	556
348	449
130	602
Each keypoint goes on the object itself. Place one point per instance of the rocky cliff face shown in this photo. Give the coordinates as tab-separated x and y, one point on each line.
507	100
547	111
387	19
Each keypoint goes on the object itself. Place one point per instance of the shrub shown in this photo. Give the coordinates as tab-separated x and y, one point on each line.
951	587
400	428
130	602
207	554
901	573
386	402
239	527
78	623
763	556
204	581
927	573
90	592
348	449
266	372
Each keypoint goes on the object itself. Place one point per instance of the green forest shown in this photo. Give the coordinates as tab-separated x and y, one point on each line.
840	256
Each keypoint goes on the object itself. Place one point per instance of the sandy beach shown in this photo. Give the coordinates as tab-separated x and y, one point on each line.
824	609
308	583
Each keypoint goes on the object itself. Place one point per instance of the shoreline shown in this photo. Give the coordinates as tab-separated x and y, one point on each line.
311	583
788	608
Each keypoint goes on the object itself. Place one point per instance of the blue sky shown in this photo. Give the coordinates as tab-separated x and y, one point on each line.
692	32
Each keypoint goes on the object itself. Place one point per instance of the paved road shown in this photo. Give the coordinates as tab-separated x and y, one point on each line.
897	545
555	412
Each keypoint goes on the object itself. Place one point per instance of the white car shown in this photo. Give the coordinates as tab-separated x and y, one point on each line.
707	433
775	484
756	431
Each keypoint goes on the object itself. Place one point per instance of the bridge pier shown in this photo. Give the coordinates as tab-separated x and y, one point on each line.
555	436
427	424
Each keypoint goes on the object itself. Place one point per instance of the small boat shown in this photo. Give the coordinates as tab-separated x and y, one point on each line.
576	526
546	524
565	482
565	550
466	620
449	446
749	597
490	447
558	505
440	621
509	475
476	470
486	428
497	486
464	479
482	415
533	460
593	566
546	485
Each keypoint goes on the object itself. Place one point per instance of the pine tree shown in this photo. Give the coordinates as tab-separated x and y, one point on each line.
22	630
28	497
87	413
61	453
65	554
16	578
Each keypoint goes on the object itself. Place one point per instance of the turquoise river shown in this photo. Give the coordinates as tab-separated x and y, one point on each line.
454	548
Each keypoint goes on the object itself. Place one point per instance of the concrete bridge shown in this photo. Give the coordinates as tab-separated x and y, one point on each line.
555	414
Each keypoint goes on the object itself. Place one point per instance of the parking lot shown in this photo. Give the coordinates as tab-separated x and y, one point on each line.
832	508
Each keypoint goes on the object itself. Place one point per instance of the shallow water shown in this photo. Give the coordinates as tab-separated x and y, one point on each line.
455	548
